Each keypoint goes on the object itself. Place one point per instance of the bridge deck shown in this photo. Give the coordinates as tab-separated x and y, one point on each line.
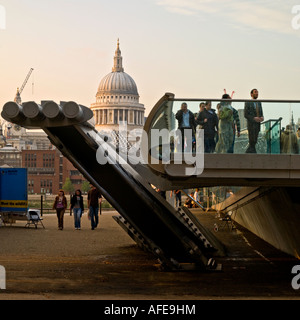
230	169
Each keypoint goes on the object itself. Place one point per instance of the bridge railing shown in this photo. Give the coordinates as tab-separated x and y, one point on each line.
278	131
269	138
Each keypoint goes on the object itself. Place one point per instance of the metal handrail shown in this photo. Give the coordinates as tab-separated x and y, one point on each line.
234	100
277	120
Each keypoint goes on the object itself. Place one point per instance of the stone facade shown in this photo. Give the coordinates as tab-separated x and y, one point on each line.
117	100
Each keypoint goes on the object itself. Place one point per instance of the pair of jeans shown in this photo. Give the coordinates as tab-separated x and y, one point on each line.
94	216
186	141
178	199
77	217
60	217
231	149
253	131
209	144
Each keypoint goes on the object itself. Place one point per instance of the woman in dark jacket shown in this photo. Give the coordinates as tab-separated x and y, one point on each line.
77	207
60	205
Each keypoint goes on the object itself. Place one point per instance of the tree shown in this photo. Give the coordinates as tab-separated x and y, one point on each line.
85	187
68	186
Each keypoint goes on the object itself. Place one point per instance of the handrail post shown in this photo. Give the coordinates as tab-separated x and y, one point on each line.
41	205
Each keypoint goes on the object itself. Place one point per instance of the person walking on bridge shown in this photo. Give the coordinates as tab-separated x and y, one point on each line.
253	112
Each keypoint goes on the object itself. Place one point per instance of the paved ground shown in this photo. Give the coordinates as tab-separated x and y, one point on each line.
107	264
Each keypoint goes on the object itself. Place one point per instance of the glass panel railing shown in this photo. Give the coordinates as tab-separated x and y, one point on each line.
272	133
225	128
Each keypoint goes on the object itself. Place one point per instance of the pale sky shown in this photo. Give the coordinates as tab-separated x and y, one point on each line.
192	48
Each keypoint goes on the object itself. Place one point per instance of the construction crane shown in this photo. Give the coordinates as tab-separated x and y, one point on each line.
18	100
19	91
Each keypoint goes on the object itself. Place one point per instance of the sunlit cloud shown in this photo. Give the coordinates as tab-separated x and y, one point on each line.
189	7
267	15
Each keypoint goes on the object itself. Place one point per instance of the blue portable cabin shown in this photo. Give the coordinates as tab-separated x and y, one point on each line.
13	194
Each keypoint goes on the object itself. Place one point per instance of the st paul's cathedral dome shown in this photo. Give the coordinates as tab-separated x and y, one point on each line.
117	99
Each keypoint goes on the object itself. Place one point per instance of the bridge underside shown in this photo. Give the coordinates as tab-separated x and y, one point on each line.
273	214
254	170
268	204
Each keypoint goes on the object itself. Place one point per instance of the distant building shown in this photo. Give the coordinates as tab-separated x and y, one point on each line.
10	157
47	167
117	100
48	170
293	125
243	120
22	138
30	140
